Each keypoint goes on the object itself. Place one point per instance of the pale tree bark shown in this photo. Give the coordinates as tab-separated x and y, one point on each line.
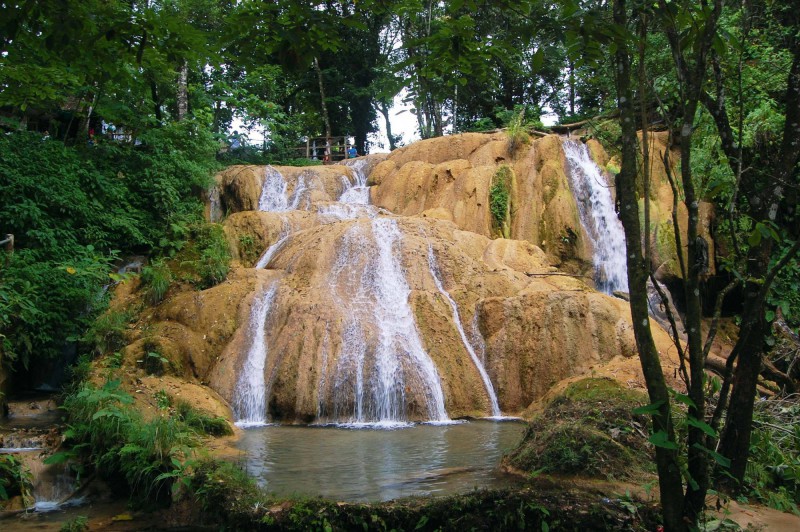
324	106
182	96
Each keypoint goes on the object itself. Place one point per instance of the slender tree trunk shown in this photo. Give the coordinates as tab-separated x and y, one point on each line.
572	88
735	441
156	100
85	126
669	476
324	106
384	107
182	95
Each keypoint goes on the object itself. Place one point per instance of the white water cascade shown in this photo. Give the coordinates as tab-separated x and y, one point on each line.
271	251
382	357
250	396
358	193
382	376
274	194
598	218
434	267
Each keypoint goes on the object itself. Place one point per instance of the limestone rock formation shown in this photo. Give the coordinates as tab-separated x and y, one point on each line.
379	290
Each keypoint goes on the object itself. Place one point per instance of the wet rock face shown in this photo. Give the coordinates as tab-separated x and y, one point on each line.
376	291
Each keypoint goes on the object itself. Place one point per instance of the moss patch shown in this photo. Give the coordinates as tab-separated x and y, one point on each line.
587	429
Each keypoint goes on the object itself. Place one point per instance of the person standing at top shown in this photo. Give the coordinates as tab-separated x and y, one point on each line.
352	153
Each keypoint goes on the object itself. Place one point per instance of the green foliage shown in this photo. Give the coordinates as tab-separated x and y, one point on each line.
163	400
15	479
515	131
156	277
108	331
201	422
70	209
153	362
248	251
78	524
499	198
47	300
110	437
608	133
214	262
773	472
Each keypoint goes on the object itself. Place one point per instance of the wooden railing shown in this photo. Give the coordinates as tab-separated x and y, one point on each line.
325	149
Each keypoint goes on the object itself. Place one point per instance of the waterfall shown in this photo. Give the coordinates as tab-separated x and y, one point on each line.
598	218
382	357
250	396
266	258
487	383
382	375
215	213
274	194
358	193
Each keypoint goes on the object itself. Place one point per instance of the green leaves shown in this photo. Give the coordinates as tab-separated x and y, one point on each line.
660	439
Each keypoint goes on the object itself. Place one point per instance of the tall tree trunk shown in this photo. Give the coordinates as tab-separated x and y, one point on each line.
572	88
182	95
384	107
669	475
324	106
156	100
735	442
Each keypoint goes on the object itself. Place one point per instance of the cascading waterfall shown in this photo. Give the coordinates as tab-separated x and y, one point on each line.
274	195
382	354
250	396
382	370
271	251
487	383
598	218
359	192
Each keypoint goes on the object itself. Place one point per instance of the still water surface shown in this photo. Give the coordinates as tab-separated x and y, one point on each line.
377	465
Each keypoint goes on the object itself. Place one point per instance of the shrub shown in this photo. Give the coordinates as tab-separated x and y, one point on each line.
15	479
70	208
108	332
773	472
157	278
201	422
499	199
110	437
248	251
78	524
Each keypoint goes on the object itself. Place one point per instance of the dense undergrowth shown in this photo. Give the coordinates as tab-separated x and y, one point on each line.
107	436
74	211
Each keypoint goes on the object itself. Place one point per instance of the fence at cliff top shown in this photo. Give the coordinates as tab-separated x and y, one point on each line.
598	218
336	148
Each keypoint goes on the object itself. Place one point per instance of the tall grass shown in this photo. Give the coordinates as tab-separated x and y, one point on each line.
157	278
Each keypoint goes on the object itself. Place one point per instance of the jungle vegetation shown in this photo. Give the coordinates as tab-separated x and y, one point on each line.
173	76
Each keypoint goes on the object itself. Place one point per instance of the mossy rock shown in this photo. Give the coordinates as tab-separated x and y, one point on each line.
588	429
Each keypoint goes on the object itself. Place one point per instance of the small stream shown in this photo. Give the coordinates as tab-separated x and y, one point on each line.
378	465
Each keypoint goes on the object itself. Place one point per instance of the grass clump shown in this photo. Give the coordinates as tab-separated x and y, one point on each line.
201	422
109	331
215	256
588	429
773	471
500	200
156	277
516	131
